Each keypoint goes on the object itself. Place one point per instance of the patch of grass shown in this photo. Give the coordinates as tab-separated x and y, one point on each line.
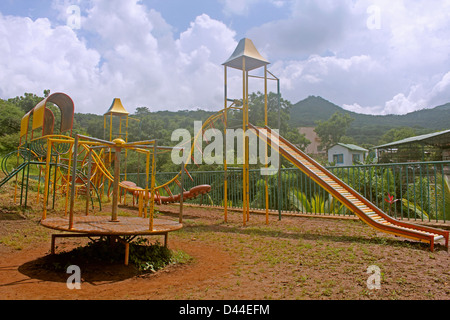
180	257
149	257
24	237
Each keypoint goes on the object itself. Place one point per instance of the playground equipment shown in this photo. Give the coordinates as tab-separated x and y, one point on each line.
360	206
83	163
71	166
32	152
246	58
116	110
123	229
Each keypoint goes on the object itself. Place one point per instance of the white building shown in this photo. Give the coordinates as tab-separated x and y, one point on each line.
346	154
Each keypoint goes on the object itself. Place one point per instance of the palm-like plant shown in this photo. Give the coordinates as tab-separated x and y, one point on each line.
317	203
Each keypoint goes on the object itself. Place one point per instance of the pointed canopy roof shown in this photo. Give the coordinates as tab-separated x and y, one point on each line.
247	49
116	108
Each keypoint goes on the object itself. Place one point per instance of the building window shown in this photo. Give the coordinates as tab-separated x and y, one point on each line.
338	158
356	157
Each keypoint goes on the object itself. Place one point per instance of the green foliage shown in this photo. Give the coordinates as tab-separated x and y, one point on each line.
26	102
278	111
10	120
429	198
332	130
396	134
149	257
318	203
372	182
296	197
9	142
365	130
416	210
426	197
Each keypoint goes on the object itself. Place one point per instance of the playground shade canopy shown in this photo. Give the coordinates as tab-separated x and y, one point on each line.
116	108
44	118
246	49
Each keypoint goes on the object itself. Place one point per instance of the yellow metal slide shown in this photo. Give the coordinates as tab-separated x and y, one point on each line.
354	201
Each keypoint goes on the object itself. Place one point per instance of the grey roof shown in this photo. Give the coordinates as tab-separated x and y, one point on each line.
421	138
352	147
247	51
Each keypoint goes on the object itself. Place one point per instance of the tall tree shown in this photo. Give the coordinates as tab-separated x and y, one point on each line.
396	134
10	120
28	101
332	130
278	114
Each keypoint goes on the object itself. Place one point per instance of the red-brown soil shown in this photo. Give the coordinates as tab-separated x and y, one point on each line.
295	258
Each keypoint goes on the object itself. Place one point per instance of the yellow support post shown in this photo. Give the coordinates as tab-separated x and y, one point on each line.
266	120
152	187
116	187
104	127
244	176
247	172
120	127
68	179
110	136
38	185
126	155
141	204
126	128
225	119
47	177
73	189
110	127
147	172
89	176
245	57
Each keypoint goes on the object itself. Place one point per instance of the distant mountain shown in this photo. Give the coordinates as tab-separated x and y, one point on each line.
367	129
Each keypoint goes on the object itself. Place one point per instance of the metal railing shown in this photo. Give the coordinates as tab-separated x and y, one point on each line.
413	191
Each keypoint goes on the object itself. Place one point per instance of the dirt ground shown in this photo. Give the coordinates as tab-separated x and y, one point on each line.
295	258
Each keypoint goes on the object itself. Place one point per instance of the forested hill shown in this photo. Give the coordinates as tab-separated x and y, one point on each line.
366	130
369	128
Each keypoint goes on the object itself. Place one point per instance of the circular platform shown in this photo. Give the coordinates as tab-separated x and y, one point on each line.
102	225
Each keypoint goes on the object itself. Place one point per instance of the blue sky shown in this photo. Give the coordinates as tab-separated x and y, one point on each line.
178	13
368	56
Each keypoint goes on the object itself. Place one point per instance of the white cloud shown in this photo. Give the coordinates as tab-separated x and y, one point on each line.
442	85
125	49
325	48
312	28
202	48
400	105
36	56
364	110
209	34
131	54
336	79
241	7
